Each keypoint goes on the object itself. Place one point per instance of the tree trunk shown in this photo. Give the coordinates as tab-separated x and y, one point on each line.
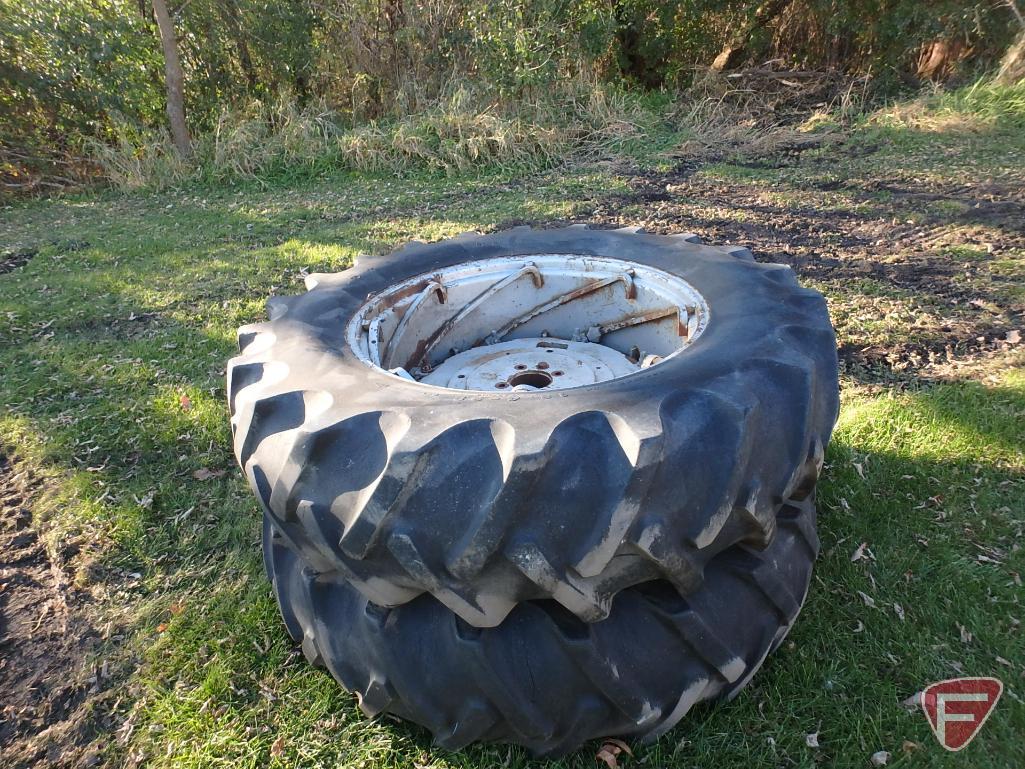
1012	69
735	50
174	80
938	58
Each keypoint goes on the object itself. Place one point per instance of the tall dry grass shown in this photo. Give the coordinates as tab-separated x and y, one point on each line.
463	130
756	112
759	111
132	159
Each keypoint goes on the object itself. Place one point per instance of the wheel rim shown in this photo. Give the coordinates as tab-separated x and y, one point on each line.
528	324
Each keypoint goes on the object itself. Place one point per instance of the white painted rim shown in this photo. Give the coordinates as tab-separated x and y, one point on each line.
602	319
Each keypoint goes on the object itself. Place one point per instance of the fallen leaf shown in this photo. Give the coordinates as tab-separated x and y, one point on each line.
619	744
966	635
870	602
177	608
859	553
161	627
1012	336
899	611
880	758
812	740
610	750
185	402
908	746
914	702
277	748
205	474
860	469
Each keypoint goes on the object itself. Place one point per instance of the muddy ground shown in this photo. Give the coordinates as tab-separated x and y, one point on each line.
46	642
912	268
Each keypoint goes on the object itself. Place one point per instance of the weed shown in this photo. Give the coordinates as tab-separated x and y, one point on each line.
982	106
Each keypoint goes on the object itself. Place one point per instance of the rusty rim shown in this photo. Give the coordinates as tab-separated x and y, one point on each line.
526	324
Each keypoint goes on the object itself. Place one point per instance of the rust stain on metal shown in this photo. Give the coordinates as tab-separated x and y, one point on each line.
419	357
569	296
530	269
392	299
636	320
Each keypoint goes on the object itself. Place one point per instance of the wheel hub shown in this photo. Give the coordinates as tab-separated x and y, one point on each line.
531	364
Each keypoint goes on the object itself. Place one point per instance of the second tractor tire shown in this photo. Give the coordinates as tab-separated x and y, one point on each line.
544	679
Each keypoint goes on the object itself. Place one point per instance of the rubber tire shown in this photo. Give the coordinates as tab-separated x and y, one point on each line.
545	679
486	501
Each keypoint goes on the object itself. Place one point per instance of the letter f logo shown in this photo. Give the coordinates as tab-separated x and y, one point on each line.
957	708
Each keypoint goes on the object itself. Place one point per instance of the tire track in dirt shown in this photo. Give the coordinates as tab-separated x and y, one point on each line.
45	642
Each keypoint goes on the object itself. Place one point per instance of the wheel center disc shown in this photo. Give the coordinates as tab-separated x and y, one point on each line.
531	364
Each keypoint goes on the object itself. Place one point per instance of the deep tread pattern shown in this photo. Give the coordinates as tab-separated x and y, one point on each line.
739	252
486	505
543	678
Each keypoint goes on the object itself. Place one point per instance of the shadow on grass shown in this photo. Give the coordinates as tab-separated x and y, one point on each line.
927	480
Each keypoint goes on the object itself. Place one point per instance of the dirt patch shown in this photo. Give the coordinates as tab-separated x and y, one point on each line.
907	268
45	642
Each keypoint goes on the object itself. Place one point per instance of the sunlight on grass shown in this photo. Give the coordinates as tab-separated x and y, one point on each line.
115	336
975	108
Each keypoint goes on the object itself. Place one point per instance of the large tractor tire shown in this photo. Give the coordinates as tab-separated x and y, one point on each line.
534	414
544	678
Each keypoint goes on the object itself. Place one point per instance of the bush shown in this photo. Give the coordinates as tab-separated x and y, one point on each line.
308	82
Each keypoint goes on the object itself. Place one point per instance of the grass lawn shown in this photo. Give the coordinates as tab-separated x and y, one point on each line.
118	312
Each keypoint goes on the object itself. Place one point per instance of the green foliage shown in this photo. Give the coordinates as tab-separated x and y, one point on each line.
74	69
1001	104
886	37
233	50
68	68
984	107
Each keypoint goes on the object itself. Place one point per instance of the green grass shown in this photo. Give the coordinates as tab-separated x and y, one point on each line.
131	303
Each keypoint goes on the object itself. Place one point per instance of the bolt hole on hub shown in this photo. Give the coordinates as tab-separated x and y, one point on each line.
532	379
538	323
